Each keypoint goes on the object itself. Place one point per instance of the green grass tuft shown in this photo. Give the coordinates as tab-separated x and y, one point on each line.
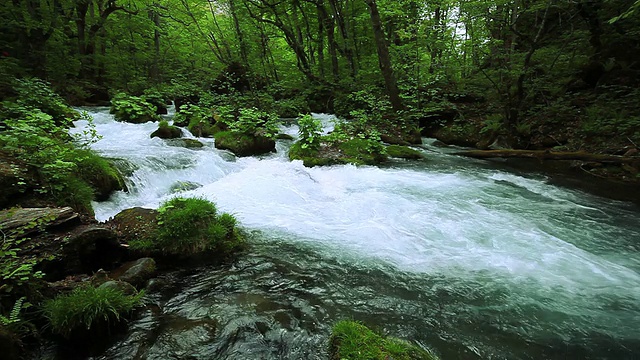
86	307
351	340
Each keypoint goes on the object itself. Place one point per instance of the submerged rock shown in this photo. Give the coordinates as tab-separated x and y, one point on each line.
187	143
184	186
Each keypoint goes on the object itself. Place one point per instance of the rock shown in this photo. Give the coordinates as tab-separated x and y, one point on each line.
135	224
244	145
284	137
9	344
91	248
167	132
106	181
122	286
184	186
403	152
23	222
12	180
136	273
187	143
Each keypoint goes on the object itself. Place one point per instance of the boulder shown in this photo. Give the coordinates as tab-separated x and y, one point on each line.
90	248
122	286
187	143
167	132
135	224
403	152
244	145
136	273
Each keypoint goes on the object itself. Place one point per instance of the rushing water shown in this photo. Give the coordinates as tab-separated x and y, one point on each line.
471	261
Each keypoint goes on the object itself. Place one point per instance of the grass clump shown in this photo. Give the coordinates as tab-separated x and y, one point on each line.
88	308
351	340
190	225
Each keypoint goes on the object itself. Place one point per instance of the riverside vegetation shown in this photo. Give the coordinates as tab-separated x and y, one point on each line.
539	75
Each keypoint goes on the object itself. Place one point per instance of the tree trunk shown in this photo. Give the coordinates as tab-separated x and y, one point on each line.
384	59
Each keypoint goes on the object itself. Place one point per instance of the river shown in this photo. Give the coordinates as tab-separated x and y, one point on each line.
470	260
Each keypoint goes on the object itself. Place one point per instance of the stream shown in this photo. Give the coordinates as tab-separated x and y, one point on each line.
463	257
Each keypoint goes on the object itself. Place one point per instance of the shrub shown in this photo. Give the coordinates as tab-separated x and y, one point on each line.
88	307
310	131
189	113
354	341
191	225
132	109
251	122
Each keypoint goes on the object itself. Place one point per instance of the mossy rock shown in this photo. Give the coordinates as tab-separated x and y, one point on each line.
186	143
359	152
355	151
102	175
135	118
403	152
244	145
203	129
136	224
311	157
351	340
284	137
167	132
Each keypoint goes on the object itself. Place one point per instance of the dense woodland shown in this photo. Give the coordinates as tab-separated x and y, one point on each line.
559	77
543	73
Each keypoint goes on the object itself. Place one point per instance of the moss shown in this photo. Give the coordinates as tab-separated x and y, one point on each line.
102	175
362	152
87	308
244	145
309	157
137	226
166	131
351	340
403	152
284	137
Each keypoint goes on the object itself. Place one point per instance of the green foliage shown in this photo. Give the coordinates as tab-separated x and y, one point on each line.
87	307
132	109
17	273
190	114
354	341
41	143
190	225
34	93
310	131
289	108
492	124
251	122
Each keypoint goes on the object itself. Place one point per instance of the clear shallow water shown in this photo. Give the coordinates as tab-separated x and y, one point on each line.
475	262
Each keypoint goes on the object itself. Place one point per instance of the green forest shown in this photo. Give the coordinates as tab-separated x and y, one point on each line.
541	79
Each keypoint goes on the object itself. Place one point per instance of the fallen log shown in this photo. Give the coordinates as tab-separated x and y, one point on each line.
549	155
